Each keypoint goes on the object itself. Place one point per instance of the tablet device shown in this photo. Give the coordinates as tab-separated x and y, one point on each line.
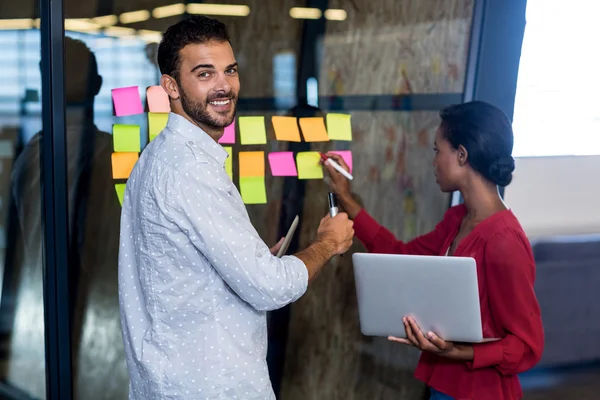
440	293
288	237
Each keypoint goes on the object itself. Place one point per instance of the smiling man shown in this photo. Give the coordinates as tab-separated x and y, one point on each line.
195	278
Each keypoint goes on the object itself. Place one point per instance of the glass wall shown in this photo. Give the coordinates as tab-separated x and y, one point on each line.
22	367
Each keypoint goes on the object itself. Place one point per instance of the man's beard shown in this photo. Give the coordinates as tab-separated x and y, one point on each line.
198	111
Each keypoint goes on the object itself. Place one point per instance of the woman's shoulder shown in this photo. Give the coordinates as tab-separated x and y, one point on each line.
503	228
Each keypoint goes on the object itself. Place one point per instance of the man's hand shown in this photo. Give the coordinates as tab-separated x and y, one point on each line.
337	231
432	343
276	248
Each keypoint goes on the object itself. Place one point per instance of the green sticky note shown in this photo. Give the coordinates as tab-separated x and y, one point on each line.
339	127
120	188
253	190
126	138
308	165
252	130
229	162
156	123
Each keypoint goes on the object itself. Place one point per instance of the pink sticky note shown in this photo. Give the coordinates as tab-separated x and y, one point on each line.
127	101
346	155
158	100
229	134
282	163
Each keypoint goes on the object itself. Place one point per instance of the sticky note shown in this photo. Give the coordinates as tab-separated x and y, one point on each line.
156	123
127	101
339	127
120	188
252	130
228	134
122	164
286	129
253	190
282	163
126	138
308	165
229	162
346	155
313	129
252	163
158	100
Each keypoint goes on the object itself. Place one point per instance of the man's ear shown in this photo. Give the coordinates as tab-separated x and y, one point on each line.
463	155
169	84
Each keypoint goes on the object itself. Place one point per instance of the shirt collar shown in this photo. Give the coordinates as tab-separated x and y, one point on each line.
196	136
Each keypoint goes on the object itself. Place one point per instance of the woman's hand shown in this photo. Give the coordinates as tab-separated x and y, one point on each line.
340	185
432	343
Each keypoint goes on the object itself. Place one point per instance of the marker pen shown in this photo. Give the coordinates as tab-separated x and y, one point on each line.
333	208
336	166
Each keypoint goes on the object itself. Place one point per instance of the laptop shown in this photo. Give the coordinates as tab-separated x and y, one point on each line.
440	293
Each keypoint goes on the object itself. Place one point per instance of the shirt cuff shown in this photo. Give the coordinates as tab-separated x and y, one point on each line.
365	227
487	355
297	265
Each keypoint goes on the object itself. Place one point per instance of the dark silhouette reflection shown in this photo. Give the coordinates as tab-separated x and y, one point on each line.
94	213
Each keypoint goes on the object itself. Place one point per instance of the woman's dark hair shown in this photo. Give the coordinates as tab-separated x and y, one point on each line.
486	133
192	30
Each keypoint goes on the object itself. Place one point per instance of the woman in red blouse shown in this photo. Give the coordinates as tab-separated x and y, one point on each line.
473	148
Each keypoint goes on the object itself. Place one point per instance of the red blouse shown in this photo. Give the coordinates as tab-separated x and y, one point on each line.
509	308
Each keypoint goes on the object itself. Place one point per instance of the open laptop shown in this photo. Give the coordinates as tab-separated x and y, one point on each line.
441	293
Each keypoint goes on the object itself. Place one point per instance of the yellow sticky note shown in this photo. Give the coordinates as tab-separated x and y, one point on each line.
120	188
313	129
286	129
156	123
122	164
126	138
229	162
339	127
252	163
308	165
252	130
253	190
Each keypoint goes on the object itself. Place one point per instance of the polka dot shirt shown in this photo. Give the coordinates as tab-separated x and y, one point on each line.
195	278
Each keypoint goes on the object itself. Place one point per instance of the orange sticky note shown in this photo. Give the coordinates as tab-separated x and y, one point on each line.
122	164
313	129
252	163
286	129
158	100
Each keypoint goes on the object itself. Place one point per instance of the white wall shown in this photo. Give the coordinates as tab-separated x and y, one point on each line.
556	195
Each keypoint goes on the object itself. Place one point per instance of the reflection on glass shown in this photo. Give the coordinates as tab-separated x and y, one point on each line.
21	237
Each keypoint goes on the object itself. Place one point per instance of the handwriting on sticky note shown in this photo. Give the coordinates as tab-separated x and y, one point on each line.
286	129
252	130
339	127
252	163
229	162
120	188
282	163
346	155
228	134
313	129
308	165
127	101
158	100
253	189
156	123
122	164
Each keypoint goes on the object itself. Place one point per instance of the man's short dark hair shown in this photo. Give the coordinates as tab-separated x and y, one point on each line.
192	30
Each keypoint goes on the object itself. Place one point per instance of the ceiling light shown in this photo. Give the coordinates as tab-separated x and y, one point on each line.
336	14
134	16
169	11
119	31
305	13
219	9
21	23
81	25
150	36
106	20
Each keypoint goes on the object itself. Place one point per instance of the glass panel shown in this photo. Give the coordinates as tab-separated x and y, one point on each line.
22	369
387	47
